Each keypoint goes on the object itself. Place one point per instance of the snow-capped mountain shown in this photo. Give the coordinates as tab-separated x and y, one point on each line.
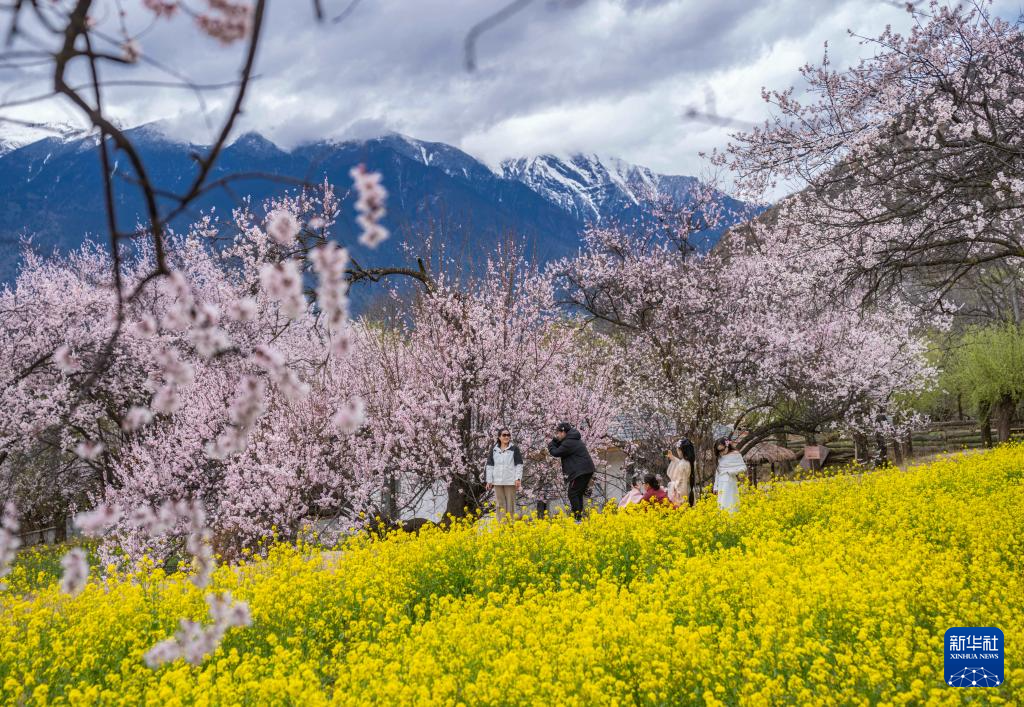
588	186
451	160
51	191
16	135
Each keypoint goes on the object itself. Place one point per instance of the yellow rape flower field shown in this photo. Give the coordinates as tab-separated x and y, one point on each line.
833	591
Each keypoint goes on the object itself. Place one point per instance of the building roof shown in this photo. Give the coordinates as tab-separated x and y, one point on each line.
769	453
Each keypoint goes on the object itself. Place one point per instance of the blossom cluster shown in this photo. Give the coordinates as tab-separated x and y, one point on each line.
739	335
370	205
194	641
873	158
9	540
188	381
227	21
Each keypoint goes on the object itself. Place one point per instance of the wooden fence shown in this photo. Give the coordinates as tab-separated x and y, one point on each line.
936	438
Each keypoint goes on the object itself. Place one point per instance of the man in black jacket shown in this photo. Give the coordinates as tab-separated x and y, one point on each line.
577	466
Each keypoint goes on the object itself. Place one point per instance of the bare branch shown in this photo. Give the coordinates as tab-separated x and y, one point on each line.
486	24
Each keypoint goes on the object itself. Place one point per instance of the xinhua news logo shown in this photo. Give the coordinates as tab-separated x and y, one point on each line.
974	657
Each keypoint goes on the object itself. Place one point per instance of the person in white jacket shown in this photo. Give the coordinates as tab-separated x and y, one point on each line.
730	465
504	474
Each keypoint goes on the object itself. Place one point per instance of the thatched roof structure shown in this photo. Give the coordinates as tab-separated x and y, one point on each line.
768	453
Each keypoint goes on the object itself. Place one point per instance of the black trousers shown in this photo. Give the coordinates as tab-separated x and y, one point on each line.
577	489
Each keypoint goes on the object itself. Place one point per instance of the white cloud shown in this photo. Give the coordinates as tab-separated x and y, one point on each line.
605	76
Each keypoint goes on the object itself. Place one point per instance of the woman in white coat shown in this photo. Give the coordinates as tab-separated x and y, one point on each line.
504	474
730	465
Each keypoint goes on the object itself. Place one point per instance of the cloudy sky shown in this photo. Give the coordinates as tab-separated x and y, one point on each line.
614	77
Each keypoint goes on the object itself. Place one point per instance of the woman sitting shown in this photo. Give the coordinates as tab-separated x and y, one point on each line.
653	492
635	493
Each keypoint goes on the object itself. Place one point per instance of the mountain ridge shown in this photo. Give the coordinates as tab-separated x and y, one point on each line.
52	189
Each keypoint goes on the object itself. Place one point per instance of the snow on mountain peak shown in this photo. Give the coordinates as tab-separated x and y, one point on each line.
585	185
451	160
16	135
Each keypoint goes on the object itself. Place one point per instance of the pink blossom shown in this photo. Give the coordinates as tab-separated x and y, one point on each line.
161	8
146	327
95	522
227	20
283	282
198	545
193	641
272	361
9	540
330	262
76	571
66	361
143	518
174	369
209	341
131	51
342	340
246	409
166	651
90	450
370	205
166	401
242	309
283	227
136	418
874	157
268	358
225	611
349	418
180	314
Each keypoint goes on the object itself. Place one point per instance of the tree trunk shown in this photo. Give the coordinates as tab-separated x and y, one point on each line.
704	469
986	427
908	447
1015	301
1004	417
463	497
882	454
391	499
897	452
860	448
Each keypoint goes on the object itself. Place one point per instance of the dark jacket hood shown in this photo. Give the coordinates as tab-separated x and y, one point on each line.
573	434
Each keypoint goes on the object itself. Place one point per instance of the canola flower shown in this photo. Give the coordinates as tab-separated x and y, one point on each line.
829	591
